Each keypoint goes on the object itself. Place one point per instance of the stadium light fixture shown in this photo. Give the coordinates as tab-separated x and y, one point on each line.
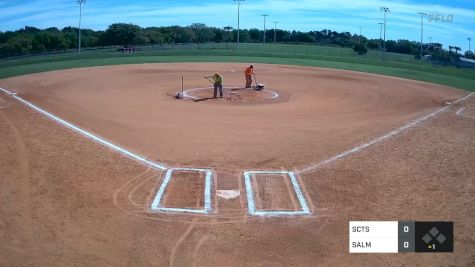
422	30
80	3
239	11
385	10
264	38
469	44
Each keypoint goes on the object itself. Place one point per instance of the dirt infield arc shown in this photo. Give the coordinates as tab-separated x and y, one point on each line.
317	114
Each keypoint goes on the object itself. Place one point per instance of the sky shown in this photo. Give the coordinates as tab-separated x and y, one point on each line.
456	20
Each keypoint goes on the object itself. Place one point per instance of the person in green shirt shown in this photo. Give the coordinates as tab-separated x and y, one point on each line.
218	84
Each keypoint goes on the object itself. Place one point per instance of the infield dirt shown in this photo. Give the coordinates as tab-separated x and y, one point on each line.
68	201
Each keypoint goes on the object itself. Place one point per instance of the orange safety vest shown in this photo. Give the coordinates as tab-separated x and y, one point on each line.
249	71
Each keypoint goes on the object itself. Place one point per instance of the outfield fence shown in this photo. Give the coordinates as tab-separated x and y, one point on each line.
287	49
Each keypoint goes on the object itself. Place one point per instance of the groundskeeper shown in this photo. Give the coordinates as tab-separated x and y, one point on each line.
248	72
218	84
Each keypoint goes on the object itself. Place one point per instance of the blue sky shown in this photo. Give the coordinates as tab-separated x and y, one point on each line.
304	15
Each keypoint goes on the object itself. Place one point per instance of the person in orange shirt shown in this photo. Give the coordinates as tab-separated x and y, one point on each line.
248	73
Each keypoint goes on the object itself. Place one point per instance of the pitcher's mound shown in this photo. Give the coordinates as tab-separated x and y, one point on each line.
233	94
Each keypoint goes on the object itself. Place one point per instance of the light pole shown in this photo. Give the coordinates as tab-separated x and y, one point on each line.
380	35
80	2
359	37
385	10
239	10
264	38
469	43
422	30
275	32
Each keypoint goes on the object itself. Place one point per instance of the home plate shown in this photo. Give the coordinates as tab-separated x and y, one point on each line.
228	194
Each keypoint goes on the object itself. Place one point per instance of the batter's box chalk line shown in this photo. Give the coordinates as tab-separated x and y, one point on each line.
157	202
209	174
251	207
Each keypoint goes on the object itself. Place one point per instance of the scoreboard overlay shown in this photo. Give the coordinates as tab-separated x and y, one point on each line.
400	236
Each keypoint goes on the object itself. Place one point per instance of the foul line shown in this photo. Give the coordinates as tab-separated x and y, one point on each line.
207	205
86	133
381	138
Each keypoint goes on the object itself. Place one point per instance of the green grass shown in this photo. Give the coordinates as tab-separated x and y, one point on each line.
403	66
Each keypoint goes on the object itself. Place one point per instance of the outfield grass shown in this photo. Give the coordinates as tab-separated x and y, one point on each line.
403	66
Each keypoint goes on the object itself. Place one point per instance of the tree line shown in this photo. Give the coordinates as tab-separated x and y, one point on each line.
30	39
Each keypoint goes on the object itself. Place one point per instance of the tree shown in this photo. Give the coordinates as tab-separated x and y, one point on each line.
121	34
30	38
281	35
457	49
48	41
360	49
203	33
255	35
152	35
301	37
373	44
29	30
469	54
442	56
391	46
219	35
17	45
7	49
244	36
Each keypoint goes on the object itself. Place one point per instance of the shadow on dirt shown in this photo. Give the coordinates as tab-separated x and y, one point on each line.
203	99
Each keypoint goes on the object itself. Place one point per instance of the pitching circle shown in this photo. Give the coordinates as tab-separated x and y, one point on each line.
241	93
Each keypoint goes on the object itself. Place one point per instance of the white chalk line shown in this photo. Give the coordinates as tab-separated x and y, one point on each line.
3	104
207	208
187	95
141	159
461	111
157	205
87	134
251	207
380	139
